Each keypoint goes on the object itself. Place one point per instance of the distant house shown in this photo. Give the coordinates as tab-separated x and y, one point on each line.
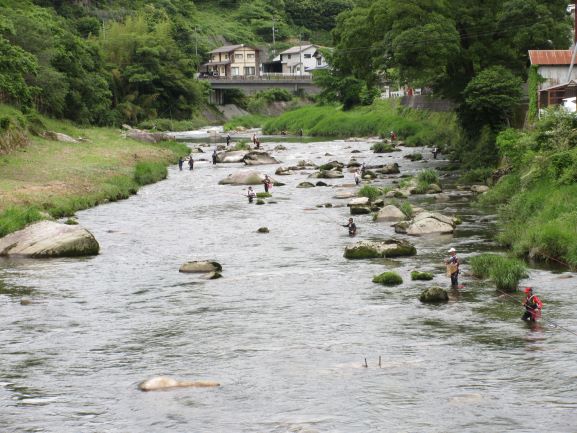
302	60
232	61
553	67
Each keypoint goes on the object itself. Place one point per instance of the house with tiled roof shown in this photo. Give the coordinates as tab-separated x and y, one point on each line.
302	60
555	84
232	61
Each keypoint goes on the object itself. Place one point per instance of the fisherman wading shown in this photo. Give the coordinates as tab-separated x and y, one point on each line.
533	306
452	264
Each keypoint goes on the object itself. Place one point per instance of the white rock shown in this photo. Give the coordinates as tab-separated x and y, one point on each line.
390	213
49	239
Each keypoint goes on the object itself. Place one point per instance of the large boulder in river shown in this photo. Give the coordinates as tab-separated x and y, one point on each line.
479	189
389	169
360	206
390	213
203	266
49	239
230	157
434	295
379	249
147	137
164	382
431	222
243	177
259	158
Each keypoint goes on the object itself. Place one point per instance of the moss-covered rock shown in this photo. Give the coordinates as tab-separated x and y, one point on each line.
260	201
388	279
422	276
434	295
263	230
379	249
305	185
263	194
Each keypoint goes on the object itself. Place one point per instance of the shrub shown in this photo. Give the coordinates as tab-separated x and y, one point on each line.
477	175
369	191
388	279
263	194
428	175
241	145
149	172
16	218
414	156
406	208
382	147
503	271
423	276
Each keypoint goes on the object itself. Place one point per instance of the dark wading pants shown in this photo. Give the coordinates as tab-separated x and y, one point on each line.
455	279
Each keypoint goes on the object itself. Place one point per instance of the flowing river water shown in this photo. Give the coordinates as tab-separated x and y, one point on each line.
286	330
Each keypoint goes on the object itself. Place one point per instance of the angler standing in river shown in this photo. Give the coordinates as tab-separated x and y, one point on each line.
267	183
180	163
352	227
250	194
191	163
533	306
214	156
453	268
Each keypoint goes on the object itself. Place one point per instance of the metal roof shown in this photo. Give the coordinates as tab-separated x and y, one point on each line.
550	57
229	48
225	62
298	49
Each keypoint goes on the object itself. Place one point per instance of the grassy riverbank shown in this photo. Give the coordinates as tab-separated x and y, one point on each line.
415	127
45	178
538	198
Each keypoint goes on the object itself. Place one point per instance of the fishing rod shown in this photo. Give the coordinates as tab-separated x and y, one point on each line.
549	321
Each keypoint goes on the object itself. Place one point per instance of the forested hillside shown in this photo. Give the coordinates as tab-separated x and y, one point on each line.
105	62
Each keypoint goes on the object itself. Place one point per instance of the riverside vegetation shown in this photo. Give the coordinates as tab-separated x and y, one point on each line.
51	179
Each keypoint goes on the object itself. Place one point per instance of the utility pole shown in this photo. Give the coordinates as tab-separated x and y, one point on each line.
196	42
274	37
301	54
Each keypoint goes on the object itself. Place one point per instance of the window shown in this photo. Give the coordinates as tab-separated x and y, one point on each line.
307	56
250	56
235	72
238	56
226	57
288	56
249	70
319	61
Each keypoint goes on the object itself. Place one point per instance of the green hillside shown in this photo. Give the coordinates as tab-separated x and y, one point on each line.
107	62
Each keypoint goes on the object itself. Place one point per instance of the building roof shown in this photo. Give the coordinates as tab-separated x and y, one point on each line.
229	48
550	57
297	49
571	83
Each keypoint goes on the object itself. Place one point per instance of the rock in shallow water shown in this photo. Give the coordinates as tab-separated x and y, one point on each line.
203	266
379	249
165	382
49	239
434	295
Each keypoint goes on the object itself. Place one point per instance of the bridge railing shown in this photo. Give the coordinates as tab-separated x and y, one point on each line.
262	77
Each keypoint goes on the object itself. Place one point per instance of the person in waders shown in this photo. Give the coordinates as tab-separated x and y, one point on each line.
435	152
533	306
352	227
357	178
180	163
214	157
267	183
452	264
191	163
250	194
227	139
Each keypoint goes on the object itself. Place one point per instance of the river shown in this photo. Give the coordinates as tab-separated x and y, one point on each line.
286	330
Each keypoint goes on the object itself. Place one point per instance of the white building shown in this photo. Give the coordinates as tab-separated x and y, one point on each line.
302	60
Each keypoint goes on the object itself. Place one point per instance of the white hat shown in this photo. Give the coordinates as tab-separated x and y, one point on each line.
452	250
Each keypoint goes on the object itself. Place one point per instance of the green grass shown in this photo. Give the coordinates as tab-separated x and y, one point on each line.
416	127
371	192
406	208
174	125
421	276
149	172
428	175
476	175
250	121
16	218
505	272
388	279
263	194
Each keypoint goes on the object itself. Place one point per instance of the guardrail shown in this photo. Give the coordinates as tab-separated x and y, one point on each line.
264	77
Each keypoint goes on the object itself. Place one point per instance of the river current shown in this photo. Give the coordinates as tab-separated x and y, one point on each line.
287	329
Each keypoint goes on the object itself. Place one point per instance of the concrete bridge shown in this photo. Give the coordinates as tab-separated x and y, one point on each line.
253	84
